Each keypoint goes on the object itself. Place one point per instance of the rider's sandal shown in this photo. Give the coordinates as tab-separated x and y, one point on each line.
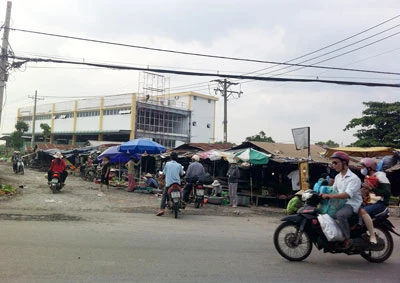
160	213
347	245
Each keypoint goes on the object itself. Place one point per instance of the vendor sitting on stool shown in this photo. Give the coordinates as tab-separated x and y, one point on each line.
150	181
217	188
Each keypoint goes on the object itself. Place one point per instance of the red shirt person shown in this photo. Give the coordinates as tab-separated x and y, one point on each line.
58	165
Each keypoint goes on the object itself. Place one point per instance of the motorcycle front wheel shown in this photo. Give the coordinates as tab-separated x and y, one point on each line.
386	252
285	242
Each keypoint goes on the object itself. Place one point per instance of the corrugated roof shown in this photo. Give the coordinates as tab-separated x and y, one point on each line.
105	143
45	146
282	152
203	146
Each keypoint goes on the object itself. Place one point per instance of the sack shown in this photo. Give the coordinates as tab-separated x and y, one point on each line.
206	179
330	228
191	180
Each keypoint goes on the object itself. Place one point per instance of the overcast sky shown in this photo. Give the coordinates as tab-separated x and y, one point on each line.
263	30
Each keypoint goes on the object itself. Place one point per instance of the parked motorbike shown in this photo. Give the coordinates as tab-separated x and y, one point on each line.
19	167
174	201
196	195
293	238
55	182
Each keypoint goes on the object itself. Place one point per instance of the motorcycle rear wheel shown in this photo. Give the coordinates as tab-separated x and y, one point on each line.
284	240
176	209
380	256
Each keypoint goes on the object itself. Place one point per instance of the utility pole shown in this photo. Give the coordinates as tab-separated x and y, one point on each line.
4	56
223	86
34	117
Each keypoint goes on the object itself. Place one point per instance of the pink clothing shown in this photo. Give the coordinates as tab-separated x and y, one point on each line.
131	183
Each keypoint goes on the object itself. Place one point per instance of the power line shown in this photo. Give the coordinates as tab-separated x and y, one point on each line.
195	54
241	77
330	45
342	54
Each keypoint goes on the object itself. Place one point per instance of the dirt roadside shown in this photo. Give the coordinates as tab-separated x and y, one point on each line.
79	195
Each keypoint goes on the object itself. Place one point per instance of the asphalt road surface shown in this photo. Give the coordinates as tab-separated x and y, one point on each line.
133	247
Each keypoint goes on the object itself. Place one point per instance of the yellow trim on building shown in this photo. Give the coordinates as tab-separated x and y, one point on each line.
52	123
133	117
100	137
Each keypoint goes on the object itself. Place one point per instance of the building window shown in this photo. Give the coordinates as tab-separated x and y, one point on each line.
194	124
209	100
194	97
208	125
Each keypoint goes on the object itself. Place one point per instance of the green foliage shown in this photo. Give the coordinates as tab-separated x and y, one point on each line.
380	125
16	140
261	137
21	126
46	131
329	143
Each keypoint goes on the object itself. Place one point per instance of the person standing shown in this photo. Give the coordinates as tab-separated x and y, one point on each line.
233	177
173	172
105	175
131	175
194	171
348	186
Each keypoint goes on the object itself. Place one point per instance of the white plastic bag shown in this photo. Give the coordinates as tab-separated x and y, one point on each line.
330	228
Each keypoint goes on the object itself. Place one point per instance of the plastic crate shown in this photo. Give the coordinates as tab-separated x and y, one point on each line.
243	200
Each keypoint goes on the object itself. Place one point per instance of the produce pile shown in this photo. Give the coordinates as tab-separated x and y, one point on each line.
7	190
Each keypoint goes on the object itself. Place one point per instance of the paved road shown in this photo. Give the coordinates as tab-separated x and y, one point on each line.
133	247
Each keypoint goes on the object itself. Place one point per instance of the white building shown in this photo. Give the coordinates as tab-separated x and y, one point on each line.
170	120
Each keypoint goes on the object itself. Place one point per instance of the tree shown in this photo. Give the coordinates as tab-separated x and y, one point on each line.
329	143
46	131
380	125
261	137
16	140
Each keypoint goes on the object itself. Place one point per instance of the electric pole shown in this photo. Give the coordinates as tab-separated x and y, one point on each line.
223	86
4	56
34	117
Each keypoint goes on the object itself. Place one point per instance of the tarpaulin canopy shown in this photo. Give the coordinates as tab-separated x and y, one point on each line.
212	155
142	146
117	156
253	156
362	151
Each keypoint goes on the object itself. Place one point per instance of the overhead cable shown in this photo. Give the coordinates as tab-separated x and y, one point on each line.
185	73
197	54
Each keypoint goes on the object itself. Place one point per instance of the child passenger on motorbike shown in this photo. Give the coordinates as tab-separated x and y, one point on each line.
348	186
58	165
381	189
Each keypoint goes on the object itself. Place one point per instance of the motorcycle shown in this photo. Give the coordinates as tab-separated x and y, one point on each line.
196	195
55	182
293	239
19	167
174	201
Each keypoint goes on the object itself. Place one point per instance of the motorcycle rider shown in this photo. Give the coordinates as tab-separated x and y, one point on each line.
194	171
383	190
14	160
173	172
348	185
58	165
